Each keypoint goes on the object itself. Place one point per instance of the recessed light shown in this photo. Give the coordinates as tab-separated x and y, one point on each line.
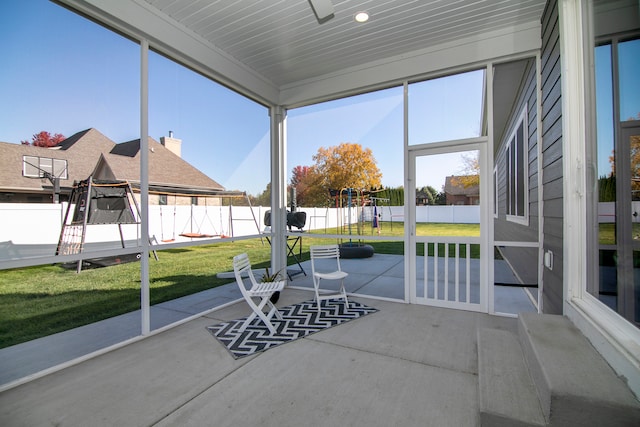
361	17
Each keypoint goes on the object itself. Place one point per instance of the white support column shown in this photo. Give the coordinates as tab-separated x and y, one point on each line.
573	157
144	187
409	214
278	188
487	200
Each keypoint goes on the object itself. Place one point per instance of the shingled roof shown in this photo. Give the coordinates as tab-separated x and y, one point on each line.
89	152
454	185
167	171
81	151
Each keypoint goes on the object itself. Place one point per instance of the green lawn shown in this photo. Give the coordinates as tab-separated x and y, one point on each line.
42	300
607	233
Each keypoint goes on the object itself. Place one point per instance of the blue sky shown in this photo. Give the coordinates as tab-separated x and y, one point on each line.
63	74
629	57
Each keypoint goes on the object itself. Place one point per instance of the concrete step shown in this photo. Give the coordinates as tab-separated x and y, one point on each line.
507	395
575	384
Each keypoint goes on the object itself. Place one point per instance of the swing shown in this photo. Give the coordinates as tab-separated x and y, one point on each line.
198	234
173	236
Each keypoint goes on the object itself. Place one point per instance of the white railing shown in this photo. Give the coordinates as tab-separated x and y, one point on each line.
445	279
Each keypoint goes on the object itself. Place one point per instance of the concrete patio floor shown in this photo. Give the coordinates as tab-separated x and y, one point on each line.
380	277
405	365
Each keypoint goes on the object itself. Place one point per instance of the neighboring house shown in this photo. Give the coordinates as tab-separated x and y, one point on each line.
72	160
172	180
422	199
459	192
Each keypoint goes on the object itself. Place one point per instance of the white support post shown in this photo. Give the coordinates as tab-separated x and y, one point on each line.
144	187
487	199
278	188
409	216
573	158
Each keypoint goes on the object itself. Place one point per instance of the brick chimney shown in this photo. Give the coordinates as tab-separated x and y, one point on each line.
172	144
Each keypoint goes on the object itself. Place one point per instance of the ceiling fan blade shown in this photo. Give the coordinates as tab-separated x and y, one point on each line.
323	9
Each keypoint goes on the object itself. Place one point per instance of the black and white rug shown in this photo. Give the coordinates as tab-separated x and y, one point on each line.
299	320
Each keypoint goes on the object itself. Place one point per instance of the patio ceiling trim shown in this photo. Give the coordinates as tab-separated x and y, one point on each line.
139	21
447	58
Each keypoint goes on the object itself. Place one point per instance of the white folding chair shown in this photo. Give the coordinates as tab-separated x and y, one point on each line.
261	290
325	264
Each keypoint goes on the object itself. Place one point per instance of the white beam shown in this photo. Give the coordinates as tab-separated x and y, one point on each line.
140	21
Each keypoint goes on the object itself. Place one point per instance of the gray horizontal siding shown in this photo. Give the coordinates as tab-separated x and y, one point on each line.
552	158
523	261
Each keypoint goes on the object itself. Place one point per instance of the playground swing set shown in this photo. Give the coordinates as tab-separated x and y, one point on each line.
198	234
110	202
346	200
98	202
195	228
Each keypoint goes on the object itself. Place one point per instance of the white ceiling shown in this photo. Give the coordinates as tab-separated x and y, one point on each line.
278	53
283	42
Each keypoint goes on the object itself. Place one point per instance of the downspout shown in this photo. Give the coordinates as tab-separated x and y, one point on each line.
278	188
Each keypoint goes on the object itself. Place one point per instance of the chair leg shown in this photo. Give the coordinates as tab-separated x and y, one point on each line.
257	312
344	295
247	322
273	311
316	286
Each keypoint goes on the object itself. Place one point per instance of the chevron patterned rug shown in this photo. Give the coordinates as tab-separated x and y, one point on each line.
299	320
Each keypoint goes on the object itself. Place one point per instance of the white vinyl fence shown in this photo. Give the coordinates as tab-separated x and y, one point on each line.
30	229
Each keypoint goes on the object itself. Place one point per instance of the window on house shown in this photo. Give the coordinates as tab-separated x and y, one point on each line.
516	158
614	245
38	167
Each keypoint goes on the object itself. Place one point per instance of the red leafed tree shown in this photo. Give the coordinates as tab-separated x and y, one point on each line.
44	139
303	179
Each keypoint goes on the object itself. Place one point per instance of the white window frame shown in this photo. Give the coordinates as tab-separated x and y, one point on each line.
512	170
614	337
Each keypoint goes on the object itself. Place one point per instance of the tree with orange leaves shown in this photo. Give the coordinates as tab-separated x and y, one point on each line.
346	165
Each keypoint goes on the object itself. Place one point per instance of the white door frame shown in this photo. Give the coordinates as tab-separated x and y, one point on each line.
486	262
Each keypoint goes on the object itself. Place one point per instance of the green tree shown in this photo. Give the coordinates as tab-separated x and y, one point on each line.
395	196
262	199
429	192
607	188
